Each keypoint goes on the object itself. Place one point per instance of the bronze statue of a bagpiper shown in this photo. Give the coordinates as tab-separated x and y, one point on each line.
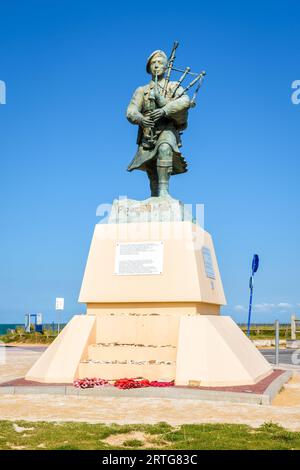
160	109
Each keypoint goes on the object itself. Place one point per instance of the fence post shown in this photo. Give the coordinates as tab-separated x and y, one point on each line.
293	327
276	342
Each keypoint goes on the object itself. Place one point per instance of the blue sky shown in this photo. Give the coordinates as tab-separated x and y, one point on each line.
70	69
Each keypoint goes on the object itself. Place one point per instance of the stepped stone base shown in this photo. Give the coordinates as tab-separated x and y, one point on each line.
121	353
160	372
213	351
203	350
59	363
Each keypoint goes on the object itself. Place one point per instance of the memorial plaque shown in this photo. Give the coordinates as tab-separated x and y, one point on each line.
143	258
208	263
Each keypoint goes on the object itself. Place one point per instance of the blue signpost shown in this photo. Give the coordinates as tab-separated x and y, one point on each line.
255	264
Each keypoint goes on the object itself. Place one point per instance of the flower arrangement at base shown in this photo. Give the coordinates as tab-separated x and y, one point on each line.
131	383
123	384
89	383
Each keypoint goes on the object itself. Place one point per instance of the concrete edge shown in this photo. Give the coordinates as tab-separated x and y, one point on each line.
274	387
281	366
165	393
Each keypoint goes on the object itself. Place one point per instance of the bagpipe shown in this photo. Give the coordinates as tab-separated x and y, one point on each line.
187	71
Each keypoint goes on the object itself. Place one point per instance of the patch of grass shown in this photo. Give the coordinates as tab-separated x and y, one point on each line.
30	338
19	335
132	443
71	435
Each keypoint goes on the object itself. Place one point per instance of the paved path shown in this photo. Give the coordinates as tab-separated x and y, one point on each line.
286	356
16	361
141	410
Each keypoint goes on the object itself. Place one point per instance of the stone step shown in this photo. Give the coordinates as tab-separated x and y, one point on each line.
161	372
122	352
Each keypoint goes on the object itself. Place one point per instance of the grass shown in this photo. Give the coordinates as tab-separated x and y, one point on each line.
29	338
34	337
19	335
162	436
132	443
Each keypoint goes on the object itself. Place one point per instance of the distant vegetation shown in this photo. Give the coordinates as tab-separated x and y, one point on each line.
19	335
261	331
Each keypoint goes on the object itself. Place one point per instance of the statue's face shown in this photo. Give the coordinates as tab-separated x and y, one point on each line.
158	65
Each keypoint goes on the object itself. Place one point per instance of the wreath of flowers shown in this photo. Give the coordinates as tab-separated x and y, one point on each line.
123	384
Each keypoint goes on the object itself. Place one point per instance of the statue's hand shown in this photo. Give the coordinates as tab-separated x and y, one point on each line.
147	122
157	114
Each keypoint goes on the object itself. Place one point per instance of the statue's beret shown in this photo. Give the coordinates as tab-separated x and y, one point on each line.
162	53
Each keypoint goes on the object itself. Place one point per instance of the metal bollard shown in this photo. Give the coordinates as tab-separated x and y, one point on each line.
276	342
293	327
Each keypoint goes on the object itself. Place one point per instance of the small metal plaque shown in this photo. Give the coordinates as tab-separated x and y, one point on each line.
208	263
143	258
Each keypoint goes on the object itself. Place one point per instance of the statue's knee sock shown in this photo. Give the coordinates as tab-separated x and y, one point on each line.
164	169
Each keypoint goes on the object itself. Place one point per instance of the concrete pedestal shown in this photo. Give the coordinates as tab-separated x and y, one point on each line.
163	325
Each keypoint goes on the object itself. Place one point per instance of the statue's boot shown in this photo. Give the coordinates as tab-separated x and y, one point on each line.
153	179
